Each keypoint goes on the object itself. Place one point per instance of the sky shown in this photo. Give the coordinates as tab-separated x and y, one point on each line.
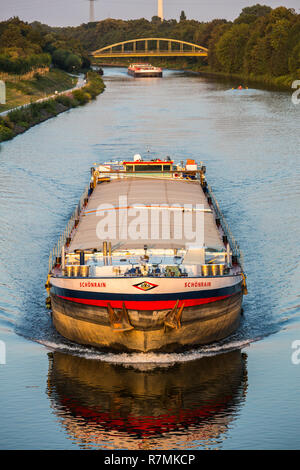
75	12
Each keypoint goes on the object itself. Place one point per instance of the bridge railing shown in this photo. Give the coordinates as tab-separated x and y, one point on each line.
56	251
164	45
236	251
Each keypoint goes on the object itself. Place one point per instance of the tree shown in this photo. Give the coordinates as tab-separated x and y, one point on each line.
205	30
182	16
215	35
294	60
256	10
156	20
230	49
12	36
59	58
66	60
73	63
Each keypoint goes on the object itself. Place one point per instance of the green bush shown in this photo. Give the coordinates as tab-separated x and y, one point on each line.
6	122
95	84
81	96
94	89
5	133
49	106
19	115
65	101
66	60
24	124
35	110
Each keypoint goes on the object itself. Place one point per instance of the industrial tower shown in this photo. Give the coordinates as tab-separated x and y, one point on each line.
92	11
160	10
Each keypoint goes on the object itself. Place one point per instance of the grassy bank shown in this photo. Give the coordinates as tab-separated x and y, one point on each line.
19	120
24	91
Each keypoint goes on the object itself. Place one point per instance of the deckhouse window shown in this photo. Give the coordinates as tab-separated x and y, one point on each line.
148	167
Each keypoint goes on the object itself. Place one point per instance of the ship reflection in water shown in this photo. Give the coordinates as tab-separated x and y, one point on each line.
187	405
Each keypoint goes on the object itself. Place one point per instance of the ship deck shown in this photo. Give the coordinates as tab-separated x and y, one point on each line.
145	191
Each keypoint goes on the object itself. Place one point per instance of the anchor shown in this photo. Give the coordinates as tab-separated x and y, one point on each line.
48	288
173	317
244	284
119	321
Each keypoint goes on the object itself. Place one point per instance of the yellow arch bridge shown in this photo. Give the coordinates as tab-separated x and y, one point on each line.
151	47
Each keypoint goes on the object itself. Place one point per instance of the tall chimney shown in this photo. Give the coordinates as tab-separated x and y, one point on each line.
160	10
92	11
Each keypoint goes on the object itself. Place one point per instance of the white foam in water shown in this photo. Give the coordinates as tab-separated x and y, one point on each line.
146	358
244	91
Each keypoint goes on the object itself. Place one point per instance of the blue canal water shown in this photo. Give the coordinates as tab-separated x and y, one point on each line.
242	393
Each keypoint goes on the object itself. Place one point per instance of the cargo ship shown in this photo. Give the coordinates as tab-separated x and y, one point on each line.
147	261
144	70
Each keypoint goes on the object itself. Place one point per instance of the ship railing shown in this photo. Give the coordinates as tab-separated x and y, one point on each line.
236	251
57	250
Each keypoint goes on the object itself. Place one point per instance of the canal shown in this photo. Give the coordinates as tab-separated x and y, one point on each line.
239	393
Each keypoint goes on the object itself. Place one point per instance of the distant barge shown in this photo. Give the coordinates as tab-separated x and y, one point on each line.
146	293
144	70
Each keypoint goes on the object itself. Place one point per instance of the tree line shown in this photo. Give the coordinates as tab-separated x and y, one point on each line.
25	47
260	42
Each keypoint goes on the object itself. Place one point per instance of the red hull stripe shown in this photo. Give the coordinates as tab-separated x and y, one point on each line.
145	305
145	425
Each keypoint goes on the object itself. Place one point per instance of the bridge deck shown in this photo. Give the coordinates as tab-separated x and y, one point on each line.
151	54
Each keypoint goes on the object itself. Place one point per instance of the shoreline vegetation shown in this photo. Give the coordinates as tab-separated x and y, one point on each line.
281	83
20	120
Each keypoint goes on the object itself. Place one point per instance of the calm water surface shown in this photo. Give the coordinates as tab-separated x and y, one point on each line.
240	393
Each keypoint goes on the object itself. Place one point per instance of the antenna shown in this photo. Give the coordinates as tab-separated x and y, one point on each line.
160	10
92	11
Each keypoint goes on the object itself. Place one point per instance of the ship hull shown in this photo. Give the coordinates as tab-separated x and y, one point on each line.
203	323
144	74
